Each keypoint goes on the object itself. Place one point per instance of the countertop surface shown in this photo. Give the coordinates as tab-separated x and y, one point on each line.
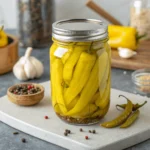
121	79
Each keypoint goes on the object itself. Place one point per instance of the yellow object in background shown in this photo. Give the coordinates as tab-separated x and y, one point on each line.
3	38
121	36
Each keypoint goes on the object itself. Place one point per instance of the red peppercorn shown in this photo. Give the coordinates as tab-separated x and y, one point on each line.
46	117
86	137
15	92
29	87
32	86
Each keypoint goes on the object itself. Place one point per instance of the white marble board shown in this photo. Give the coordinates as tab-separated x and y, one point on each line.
31	120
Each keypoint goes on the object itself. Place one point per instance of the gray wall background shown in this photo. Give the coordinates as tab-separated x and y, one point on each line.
69	9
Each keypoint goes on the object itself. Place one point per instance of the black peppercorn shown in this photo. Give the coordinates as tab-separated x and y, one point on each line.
65	133
81	130
90	131
69	131
23	140
15	133
94	131
25	89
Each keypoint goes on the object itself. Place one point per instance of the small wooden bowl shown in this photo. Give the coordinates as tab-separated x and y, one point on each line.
26	100
8	55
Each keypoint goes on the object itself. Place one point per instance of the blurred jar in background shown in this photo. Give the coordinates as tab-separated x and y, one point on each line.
35	20
2	20
140	17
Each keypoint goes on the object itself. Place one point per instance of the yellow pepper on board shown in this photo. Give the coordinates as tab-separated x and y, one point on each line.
3	38
122	36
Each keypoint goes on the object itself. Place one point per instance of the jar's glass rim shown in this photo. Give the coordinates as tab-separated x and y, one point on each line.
84	42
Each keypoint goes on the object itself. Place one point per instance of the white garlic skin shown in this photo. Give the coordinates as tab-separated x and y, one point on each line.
126	52
28	67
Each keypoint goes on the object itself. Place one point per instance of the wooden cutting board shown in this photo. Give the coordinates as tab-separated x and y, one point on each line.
141	60
31	120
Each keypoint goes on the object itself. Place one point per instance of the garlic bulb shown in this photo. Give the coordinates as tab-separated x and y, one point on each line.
126	53
28	67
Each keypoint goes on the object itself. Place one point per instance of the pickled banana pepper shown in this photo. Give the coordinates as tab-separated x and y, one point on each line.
80	70
127	117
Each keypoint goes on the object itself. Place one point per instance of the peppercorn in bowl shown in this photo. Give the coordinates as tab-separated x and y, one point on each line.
26	94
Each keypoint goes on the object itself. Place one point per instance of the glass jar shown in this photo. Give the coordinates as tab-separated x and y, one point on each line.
80	70
140	17
141	80
35	19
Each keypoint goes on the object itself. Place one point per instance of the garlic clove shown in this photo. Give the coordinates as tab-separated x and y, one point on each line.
38	66
126	53
18	71
29	69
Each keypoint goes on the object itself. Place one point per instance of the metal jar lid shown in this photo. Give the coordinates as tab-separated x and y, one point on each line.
79	30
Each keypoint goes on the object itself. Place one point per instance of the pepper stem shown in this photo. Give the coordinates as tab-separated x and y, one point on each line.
139	106
139	37
123	96
1	29
28	52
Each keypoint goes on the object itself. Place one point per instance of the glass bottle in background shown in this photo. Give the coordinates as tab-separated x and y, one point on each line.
35	20
2	20
140	17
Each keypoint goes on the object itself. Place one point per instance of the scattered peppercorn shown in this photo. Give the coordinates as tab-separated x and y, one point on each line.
15	133
86	137
65	133
69	131
90	131
23	140
25	89
81	130
46	117
94	131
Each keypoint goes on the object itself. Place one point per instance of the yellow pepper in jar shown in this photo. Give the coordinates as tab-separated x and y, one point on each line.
3	38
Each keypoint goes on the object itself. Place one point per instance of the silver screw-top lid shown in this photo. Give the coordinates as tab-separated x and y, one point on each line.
79	30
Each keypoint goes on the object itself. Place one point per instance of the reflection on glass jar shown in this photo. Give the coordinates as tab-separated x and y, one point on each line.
80	70
35	19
